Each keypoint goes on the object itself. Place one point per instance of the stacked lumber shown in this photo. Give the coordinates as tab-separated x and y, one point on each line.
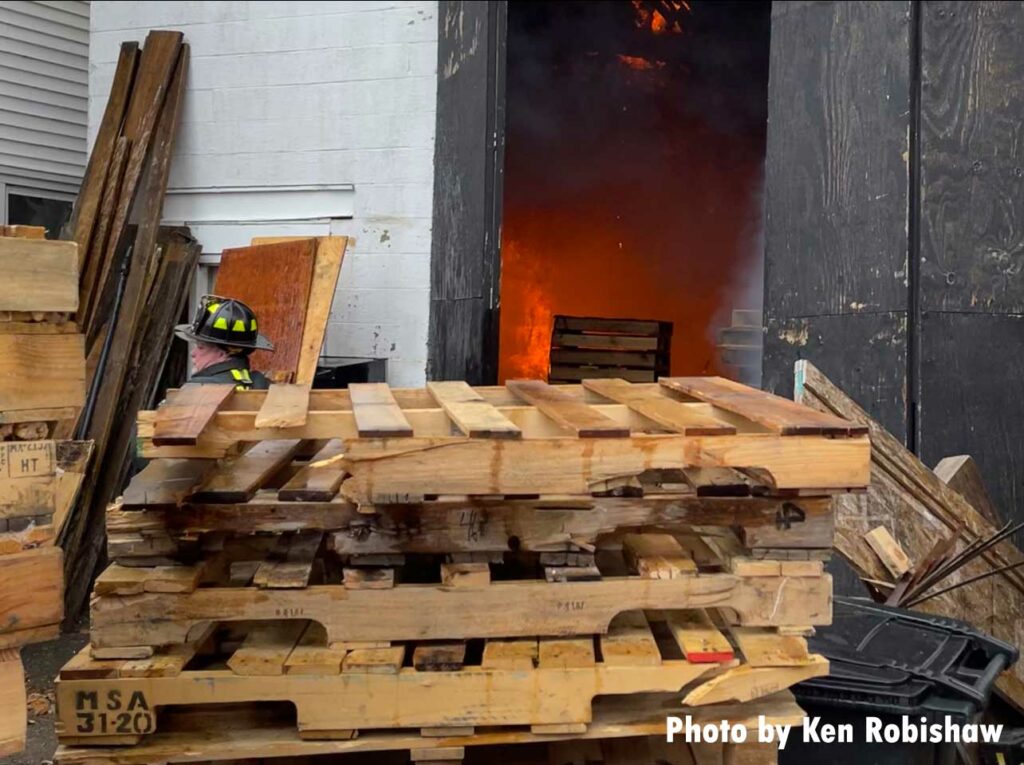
910	522
42	388
439	569
134	277
582	347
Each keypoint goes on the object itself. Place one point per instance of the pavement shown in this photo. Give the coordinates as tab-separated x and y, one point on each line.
42	662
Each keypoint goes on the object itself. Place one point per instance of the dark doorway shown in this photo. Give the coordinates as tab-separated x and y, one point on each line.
635	141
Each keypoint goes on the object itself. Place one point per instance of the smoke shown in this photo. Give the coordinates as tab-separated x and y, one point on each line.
634	166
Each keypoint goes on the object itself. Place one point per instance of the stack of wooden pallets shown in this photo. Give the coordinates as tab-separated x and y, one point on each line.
42	387
434	571
637	350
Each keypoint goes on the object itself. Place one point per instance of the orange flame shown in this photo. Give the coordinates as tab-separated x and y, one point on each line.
639	63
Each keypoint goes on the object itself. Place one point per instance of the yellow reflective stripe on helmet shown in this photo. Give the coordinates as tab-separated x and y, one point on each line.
252	325
212	308
241	387
220	323
237	374
238	326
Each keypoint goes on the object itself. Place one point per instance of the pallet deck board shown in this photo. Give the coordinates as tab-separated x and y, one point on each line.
670	414
470	412
783	416
185	414
376	413
567	412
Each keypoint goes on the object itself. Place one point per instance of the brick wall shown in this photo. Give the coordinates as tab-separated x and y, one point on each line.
305	93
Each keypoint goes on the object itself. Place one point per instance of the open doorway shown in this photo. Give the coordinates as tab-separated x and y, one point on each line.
635	141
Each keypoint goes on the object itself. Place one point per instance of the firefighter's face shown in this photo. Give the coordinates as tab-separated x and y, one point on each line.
205	355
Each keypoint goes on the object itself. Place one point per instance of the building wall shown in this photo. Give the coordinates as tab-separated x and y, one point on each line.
307	95
44	63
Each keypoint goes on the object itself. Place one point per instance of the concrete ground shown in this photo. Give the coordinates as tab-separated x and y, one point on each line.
42	662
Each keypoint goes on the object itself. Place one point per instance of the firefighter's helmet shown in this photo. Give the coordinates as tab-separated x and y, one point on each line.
225	322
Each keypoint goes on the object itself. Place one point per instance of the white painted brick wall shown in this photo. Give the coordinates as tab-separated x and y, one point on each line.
302	93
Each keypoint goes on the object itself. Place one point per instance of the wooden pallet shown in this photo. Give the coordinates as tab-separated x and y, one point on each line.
565	593
148	525
526	438
247	733
632	349
547	683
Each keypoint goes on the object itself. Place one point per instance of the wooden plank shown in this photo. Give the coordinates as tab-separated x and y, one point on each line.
169	661
512	655
580	357
888	551
470	413
962	475
285	406
657	556
763	647
698	638
217	735
41	371
376	412
181	419
95	179
447	656
123	580
428	612
609	342
266	648
274	280
474	574
100	269
567	412
319	480
330	251
745	683
291	565
237	479
13	708
31	589
781	415
562	653
164	483
374	661
311	656
629	642
40	275
574	466
668	413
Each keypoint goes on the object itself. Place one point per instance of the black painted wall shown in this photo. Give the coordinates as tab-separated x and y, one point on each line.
895	220
468	161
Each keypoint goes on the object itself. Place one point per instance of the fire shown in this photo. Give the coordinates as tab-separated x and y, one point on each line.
662	18
639	63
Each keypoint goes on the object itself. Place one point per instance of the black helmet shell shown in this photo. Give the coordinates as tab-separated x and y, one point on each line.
225	322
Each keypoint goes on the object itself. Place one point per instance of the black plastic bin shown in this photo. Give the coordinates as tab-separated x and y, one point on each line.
890	663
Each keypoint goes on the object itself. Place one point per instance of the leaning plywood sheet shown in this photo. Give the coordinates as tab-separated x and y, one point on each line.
274	280
919	509
39	275
330	251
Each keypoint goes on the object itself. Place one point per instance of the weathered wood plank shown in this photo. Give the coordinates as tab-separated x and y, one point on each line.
182	418
566	411
376	412
319	480
470	412
330	251
962	475
286	406
237	479
698	638
164	483
783	416
31	589
668	413
266	648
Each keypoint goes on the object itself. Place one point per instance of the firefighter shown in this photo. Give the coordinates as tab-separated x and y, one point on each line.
224	334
